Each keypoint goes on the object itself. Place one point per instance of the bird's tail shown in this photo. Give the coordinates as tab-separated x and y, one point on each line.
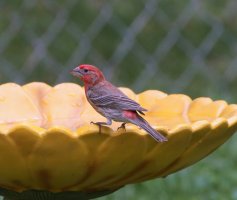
142	123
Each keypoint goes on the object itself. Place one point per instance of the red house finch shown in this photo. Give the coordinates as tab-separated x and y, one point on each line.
110	102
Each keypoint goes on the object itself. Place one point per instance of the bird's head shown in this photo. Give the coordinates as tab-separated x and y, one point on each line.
89	74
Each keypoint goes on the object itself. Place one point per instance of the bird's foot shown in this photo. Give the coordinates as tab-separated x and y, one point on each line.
98	124
122	126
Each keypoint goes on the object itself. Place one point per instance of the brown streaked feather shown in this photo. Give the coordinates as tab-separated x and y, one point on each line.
117	102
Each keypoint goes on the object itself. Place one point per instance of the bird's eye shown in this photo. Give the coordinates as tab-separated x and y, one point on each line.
85	70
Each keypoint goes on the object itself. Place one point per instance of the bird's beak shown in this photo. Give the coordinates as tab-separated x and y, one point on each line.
76	72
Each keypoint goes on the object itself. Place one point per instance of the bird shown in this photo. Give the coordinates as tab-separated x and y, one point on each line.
111	102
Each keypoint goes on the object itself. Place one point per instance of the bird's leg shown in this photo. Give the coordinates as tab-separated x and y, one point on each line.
122	126
109	122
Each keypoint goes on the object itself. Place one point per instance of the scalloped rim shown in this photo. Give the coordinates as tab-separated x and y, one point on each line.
197	139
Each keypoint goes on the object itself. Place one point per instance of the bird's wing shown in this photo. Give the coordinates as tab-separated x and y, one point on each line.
117	101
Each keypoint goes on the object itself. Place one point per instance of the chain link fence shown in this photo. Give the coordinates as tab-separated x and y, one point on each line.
185	46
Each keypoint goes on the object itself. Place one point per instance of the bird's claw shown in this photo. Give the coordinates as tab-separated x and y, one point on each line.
98	124
122	126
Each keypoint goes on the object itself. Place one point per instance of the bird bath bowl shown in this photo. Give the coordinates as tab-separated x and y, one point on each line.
49	149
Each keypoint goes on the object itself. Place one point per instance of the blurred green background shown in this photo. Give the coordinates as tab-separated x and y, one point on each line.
175	46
